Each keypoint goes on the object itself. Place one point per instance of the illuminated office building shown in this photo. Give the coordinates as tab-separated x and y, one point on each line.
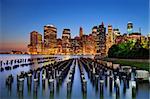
66	37
101	40
130	27
50	39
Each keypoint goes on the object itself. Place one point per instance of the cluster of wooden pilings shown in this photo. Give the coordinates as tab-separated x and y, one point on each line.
15	63
82	77
51	74
70	79
102	74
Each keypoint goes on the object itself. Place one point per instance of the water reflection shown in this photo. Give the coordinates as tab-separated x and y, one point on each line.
37	85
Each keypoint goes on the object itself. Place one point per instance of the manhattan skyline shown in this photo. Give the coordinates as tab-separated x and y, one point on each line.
19	18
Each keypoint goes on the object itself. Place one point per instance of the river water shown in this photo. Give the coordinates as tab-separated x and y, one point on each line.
61	92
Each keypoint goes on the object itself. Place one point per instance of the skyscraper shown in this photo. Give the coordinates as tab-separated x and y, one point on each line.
34	38
110	34
94	33
109	38
59	46
81	32
101	40
94	36
75	45
66	37
130	27
116	33
35	45
50	39
39	45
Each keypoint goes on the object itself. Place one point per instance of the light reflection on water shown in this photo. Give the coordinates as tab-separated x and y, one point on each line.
60	92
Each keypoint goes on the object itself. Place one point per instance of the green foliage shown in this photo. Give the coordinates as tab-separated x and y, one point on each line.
128	49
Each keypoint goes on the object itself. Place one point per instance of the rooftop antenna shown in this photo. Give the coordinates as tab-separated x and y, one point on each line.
139	30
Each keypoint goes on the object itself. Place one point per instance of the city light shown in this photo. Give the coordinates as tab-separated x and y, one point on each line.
98	42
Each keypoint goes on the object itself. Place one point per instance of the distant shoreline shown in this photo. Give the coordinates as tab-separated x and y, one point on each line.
44	54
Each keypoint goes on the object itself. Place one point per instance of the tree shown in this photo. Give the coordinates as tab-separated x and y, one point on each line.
128	49
112	52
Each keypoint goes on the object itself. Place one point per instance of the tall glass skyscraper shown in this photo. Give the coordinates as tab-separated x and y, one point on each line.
130	27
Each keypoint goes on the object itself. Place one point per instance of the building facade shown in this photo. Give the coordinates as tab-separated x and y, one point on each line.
109	38
116	33
130	27
96	43
59	46
81	32
66	37
50	39
35	46
101	40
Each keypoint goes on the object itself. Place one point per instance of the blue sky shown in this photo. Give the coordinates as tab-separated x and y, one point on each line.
20	17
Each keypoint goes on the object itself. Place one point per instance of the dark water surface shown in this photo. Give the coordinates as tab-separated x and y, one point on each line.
61	91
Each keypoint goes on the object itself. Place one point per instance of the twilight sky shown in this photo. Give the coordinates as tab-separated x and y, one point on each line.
19	17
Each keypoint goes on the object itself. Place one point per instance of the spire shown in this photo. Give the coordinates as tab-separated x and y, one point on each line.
81	32
139	30
102	23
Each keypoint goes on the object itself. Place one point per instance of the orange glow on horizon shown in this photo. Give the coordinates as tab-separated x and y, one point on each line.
9	46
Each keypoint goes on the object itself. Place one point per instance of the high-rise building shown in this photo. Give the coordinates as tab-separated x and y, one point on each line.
50	39
50	36
88	45
94	36
109	38
39	45
66	37
35	45
116	34
34	38
84	44
94	29
75	45
91	45
59	46
94	33
81	32
129	27
101	40
110	34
